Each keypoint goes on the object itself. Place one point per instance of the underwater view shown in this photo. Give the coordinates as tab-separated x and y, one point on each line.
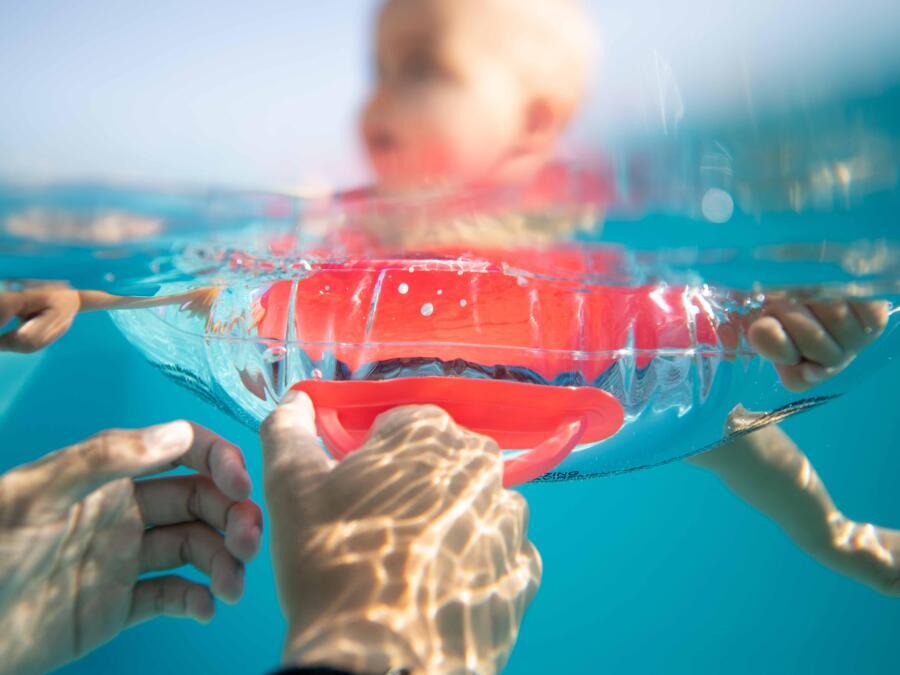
536	383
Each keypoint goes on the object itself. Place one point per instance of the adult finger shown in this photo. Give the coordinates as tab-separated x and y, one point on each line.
60	479
291	452
213	456
194	544
183	499
173	596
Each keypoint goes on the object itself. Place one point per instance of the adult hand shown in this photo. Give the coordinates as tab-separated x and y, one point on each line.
408	553
76	533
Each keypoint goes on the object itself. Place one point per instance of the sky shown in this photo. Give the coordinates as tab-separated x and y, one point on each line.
265	94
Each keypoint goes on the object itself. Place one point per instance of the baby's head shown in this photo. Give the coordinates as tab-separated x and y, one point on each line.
472	91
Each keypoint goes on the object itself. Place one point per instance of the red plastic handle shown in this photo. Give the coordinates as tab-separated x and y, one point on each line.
542	458
553	420
528	466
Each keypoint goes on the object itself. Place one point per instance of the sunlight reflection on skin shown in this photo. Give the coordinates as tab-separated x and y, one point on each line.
78	532
769	471
409	552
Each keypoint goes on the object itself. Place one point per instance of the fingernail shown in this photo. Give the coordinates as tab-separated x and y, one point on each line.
295	396
290	397
169	438
814	374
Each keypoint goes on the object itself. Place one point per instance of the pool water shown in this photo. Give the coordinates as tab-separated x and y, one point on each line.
658	571
661	571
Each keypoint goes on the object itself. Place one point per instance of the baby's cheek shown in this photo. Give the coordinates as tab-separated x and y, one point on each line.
439	138
460	145
442	132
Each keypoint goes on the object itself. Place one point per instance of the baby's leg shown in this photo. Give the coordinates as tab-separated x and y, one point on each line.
768	471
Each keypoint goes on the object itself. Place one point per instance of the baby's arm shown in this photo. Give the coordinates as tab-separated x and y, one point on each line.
198	300
768	471
808	343
46	313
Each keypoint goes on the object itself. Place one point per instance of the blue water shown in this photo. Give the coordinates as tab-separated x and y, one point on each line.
661	571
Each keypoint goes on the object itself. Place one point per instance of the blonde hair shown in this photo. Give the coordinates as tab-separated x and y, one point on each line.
552	42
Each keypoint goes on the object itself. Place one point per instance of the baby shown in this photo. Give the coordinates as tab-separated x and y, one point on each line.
470	96
475	94
470	92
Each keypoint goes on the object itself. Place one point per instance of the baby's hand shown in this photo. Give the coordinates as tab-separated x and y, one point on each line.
45	314
809	342
199	302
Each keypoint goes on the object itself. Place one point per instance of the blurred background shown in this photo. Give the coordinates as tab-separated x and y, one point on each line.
266	95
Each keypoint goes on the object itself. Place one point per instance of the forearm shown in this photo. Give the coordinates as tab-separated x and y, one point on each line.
361	646
769	472
100	300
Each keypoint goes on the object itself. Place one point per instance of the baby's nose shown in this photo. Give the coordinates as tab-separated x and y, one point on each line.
381	140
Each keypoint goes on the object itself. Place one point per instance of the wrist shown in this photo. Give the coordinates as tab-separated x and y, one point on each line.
358	646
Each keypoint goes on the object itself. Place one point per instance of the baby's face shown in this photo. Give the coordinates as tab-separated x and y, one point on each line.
447	106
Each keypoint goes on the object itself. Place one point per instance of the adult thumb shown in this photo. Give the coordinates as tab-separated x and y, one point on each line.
292	455
60	479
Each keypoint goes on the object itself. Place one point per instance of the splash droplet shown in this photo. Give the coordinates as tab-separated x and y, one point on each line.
440	291
316	374
403	289
427	309
522	281
463	303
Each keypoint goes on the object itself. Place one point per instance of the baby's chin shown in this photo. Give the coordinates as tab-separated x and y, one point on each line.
411	185
394	185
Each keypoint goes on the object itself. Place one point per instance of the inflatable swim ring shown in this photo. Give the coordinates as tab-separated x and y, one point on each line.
524	346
